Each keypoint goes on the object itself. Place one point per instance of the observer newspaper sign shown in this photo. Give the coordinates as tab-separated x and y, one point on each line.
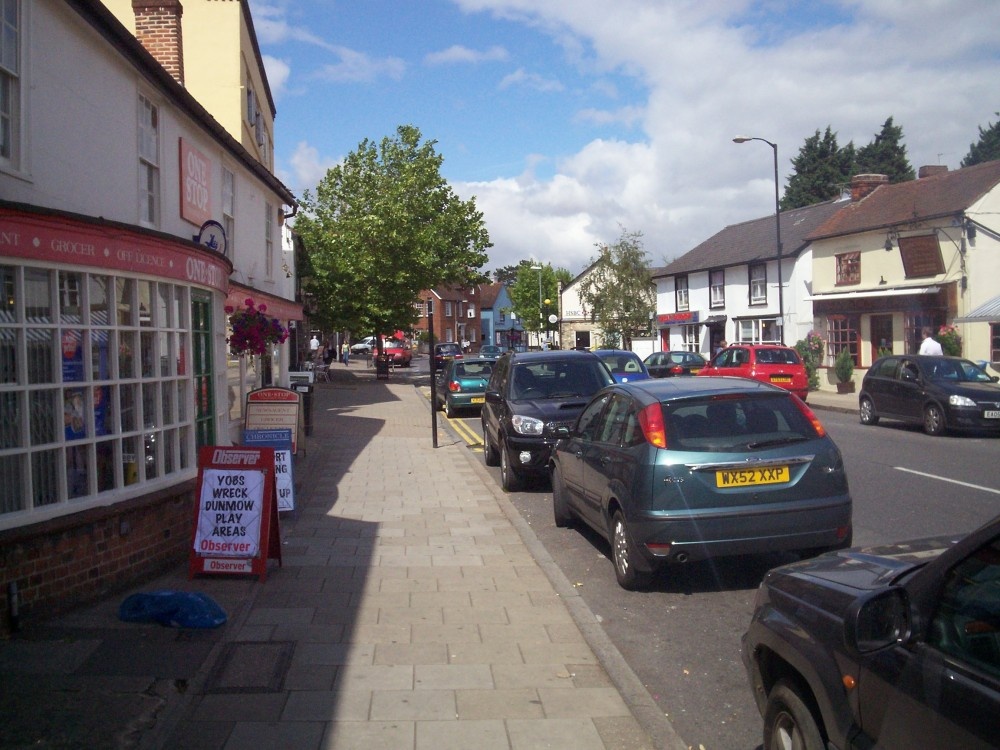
236	518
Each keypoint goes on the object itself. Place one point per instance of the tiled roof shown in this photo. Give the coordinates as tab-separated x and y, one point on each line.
754	240
489	294
944	194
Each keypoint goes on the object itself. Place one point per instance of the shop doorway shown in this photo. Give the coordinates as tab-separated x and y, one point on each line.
881	336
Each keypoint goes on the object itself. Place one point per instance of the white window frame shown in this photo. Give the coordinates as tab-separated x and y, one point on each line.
149	162
447	309
229	209
691	336
758	284
269	240
12	79
130	390
717	289
681	293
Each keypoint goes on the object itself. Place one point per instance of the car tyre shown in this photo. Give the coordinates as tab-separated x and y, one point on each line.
449	410
490	457
866	411
934	421
561	513
788	722
510	480
625	555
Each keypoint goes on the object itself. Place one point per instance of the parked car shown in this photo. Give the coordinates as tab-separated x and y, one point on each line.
769	363
400	354
672	364
444	352
490	351
895	647
529	396
941	393
625	366
462	384
676	470
364	346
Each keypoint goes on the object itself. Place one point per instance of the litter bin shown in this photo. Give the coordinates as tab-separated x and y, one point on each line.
382	363
306	389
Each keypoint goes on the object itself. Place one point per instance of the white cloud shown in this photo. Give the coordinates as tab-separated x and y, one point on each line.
520	77
278	72
357	67
460	54
307	166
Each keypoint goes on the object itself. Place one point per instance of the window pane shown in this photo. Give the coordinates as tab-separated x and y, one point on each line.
145	303
8	356
10	420
77	482
146	349
74	413
99	296
43	410
124	293
126	408
12	484
104	423
130	469
37	296
69	297
127	347
45	478
105	465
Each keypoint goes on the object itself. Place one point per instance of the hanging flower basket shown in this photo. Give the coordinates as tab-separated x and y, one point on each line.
253	331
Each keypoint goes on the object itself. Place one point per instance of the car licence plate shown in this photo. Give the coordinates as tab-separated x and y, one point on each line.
992	414
695	370
477	400
781	378
750	477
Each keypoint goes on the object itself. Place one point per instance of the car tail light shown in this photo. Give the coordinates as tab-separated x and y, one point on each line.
454	386
651	422
677	370
808	414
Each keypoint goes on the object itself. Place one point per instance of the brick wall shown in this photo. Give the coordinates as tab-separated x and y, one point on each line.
66	562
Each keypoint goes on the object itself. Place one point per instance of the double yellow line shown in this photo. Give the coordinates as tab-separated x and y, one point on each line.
464	431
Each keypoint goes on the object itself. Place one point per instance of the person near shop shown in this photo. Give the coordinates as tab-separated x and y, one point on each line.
929	345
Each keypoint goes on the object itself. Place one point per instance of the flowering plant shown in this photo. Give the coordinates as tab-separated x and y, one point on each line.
951	342
811	350
253	330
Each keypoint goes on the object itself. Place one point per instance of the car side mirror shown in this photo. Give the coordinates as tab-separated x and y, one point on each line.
562	431
878	621
493	397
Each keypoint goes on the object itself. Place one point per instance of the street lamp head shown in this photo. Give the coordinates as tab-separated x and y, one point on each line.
741	139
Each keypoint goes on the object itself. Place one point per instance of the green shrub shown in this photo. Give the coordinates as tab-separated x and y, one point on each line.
843	366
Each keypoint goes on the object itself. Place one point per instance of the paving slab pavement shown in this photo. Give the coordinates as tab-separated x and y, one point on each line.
413	609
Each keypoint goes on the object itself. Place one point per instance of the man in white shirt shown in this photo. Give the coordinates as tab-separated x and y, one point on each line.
929	345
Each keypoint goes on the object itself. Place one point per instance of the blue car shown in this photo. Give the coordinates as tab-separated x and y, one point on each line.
625	366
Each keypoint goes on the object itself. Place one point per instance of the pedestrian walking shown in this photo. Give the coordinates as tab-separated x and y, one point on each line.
929	345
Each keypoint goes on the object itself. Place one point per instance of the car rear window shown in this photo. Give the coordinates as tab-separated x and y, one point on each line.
555	379
622	363
474	369
743	423
777	357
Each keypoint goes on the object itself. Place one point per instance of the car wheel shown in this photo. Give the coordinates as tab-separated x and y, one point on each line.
788	722
560	502
625	555
934	423
490	457
867	411
449	410
510	480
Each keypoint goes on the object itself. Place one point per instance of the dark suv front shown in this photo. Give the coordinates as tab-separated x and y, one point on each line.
529	396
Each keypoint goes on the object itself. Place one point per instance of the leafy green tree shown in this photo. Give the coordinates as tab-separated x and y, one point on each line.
382	226
886	155
529	298
987	148
508	274
822	169
619	292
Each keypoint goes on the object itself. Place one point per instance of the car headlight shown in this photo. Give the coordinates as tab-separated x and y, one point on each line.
526	425
955	400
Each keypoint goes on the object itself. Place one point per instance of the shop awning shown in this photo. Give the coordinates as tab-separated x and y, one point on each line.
277	307
893	292
986	313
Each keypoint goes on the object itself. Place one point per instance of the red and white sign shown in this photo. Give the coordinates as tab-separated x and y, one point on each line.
196	185
236	517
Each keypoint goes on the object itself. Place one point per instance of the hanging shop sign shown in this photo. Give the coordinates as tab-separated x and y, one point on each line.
275	408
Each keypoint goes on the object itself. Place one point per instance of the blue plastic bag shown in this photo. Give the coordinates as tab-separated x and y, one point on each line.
176	609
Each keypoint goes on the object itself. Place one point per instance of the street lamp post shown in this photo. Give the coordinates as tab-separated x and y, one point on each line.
777	230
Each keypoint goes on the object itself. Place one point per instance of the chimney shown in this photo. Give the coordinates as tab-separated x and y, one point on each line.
158	28
863	184
930	170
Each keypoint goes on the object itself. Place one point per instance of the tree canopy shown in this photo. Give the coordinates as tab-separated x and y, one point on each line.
529	298
619	292
822	170
886	155
987	148
382	226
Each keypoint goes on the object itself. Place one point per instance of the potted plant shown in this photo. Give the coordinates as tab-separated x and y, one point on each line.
843	368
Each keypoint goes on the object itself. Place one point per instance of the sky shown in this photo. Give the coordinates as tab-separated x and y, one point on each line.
571	121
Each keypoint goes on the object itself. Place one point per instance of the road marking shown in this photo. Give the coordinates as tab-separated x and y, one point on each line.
465	432
945	479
